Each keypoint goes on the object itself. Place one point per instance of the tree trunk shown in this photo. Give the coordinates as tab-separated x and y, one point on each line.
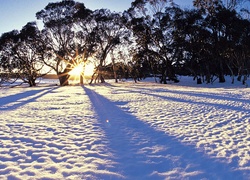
63	79
163	73
32	82
232	73
99	77
81	79
114	70
222	78
208	78
239	73
199	81
163	76
208	75
221	73
102	79
93	75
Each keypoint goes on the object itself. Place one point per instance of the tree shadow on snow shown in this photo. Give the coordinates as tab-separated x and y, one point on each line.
142	152
20	99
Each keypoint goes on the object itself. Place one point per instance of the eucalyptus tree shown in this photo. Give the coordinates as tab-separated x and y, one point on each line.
209	6
28	54
238	49
22	53
237	36
139	49
82	27
152	26
226	33
108	31
245	42
192	40
226	36
7	63
213	22
60	36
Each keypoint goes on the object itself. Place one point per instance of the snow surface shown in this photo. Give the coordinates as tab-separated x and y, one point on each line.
125	131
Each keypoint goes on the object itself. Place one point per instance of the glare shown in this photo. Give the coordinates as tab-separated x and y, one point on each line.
89	69
77	70
81	73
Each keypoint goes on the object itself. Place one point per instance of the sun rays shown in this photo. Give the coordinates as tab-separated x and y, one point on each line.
77	70
75	67
82	71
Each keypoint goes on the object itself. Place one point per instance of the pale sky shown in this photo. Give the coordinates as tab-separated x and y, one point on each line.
14	14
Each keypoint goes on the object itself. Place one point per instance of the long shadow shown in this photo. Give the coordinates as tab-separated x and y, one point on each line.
144	153
203	95
217	106
224	107
215	97
16	101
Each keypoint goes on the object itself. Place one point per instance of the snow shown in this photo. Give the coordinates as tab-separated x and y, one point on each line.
125	130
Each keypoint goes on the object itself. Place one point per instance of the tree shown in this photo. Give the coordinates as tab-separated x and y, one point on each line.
62	47
7	65
28	54
238	52
83	29
220	51
207	6
210	5
193	41
152	28
22	54
214	13
234	4
107	34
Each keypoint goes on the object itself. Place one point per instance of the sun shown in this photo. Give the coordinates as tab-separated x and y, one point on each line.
85	71
77	70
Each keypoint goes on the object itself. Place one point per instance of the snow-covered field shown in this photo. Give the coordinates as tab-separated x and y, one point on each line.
125	131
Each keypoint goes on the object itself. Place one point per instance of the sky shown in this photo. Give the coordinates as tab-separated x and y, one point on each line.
14	14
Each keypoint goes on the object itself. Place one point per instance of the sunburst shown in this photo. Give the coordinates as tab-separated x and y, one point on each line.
77	70
78	65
